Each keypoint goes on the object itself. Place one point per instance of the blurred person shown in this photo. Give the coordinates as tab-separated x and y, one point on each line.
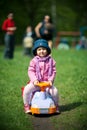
9	27
82	43
45	30
63	44
28	41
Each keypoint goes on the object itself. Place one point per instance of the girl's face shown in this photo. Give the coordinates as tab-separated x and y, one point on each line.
41	51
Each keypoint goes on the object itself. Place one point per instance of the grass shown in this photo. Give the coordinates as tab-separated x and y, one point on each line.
13	75
71	81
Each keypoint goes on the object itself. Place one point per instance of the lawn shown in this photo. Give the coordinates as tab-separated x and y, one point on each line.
71	81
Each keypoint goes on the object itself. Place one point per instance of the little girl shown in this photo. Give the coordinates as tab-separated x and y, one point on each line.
42	68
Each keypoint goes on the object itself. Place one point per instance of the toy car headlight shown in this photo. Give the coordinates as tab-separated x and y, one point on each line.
52	105
35	106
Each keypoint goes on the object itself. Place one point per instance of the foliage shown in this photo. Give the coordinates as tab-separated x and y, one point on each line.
66	15
66	22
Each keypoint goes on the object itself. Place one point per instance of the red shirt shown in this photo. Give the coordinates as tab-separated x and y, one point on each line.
8	23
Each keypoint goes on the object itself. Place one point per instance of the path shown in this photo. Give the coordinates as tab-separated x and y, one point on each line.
42	123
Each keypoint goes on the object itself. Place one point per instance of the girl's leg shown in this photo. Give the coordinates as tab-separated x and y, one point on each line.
29	88
54	93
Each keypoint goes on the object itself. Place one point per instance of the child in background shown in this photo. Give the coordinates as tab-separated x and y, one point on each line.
28	41
42	68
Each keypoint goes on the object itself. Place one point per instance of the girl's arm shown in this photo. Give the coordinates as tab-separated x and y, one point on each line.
32	72
52	77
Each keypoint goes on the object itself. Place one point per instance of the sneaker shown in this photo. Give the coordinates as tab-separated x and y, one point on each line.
27	108
57	110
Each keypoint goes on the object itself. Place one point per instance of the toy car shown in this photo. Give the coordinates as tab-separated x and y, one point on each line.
42	102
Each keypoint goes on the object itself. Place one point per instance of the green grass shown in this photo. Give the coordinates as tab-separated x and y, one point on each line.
13	75
71	81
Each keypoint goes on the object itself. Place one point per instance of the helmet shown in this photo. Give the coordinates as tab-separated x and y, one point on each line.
41	43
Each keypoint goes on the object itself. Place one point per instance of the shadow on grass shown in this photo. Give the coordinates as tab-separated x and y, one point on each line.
63	108
69	107
45	115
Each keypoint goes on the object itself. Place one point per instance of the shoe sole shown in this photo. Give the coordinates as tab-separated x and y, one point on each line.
27	112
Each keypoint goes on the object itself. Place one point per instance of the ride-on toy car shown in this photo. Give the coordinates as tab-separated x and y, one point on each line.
42	102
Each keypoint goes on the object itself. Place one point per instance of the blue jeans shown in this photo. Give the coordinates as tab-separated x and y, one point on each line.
9	46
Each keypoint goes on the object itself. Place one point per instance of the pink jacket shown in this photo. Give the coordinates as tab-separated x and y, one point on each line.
44	69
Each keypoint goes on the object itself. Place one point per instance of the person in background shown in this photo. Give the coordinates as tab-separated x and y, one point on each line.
28	41
45	30
82	43
9	27
41	68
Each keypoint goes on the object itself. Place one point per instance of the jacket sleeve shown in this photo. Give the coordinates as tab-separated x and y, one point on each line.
52	77
4	26
32	71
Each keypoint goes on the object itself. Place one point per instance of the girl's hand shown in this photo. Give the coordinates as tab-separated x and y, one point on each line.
50	82
36	82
